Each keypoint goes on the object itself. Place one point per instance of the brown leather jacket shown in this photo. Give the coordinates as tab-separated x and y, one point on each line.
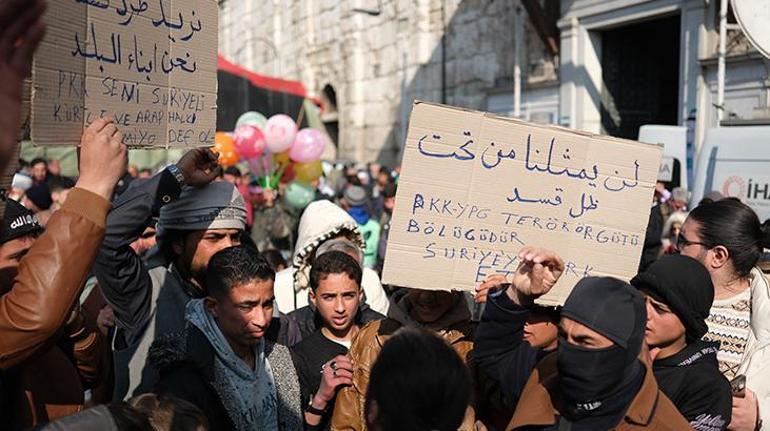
44	366
650	409
455	327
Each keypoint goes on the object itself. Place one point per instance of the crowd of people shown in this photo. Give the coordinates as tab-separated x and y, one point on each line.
187	299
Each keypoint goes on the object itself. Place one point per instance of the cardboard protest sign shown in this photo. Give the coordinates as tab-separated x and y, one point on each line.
475	188
150	64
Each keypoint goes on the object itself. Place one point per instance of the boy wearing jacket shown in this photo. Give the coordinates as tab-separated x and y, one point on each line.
679	293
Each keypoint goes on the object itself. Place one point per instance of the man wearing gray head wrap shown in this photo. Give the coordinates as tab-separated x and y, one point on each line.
197	218
595	380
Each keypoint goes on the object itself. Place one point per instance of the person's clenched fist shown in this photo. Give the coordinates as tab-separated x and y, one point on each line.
103	158
538	272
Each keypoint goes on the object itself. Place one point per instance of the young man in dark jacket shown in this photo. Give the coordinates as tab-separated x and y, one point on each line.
679	294
336	295
594	380
222	362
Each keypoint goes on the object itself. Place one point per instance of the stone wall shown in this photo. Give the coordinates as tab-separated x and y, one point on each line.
382	57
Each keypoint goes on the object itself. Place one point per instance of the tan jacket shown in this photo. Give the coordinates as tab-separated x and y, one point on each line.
349	408
650	409
40	378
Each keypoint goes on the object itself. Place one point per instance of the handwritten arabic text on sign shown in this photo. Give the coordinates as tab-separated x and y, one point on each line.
475	188
150	64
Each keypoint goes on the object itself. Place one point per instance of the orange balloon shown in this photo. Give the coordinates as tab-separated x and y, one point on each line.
225	147
282	158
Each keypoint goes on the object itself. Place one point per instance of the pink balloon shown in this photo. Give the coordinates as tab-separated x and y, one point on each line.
308	146
249	142
280	132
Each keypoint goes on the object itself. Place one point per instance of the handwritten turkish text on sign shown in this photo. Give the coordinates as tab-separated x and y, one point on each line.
475	188
150	64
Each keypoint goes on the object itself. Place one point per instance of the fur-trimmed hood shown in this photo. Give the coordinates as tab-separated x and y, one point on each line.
320	221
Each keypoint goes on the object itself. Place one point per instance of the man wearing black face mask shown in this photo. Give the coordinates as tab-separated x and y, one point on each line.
595	380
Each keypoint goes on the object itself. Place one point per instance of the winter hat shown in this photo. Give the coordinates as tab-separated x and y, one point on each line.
356	196
40	195
612	308
17	222
219	205
684	285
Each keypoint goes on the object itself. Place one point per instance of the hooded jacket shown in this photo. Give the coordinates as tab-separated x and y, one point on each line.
692	381
455	327
322	220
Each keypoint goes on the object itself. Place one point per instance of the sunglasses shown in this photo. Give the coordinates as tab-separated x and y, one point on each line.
682	242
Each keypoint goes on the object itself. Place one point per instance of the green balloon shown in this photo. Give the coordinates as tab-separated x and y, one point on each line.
299	195
251	118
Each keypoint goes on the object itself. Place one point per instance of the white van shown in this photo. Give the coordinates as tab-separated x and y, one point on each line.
673	165
735	161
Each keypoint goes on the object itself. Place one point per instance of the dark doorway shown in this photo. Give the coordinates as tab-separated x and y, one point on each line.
329	115
640	75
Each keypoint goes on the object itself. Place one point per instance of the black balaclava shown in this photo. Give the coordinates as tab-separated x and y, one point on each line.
617	311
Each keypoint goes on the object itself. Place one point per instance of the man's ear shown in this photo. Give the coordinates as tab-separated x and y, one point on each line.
311	295
211	305
361	296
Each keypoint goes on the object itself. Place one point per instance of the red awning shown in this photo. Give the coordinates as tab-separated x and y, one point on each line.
269	82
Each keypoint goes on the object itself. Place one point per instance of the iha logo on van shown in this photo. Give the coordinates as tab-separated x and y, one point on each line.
753	190
734	187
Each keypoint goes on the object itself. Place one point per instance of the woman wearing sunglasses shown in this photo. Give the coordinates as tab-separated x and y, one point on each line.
727	237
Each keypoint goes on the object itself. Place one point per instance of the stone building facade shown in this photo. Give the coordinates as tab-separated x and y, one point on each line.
620	63
368	60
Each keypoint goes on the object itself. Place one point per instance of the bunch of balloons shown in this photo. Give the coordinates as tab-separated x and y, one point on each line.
275	151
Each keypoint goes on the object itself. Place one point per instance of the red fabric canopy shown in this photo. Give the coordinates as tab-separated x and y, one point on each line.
275	84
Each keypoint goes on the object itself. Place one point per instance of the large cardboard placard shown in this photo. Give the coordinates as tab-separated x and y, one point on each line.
475	188
150	64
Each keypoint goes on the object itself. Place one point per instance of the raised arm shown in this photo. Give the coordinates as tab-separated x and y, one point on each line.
52	274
